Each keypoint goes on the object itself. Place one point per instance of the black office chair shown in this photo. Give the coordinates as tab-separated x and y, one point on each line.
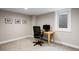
38	34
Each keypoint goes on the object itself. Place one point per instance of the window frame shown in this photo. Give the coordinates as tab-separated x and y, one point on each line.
61	12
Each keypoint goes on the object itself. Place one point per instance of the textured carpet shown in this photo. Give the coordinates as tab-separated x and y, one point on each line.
27	45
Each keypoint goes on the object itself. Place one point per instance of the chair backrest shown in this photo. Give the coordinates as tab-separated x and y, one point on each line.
37	31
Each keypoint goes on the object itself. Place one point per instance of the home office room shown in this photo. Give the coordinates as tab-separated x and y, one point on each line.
39	29
28	29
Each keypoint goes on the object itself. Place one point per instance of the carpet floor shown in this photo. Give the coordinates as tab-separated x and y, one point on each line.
27	45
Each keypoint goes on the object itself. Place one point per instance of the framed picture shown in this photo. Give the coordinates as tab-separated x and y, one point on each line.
2	21
24	21
8	21
17	21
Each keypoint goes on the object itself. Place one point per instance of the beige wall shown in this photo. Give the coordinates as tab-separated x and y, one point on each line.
12	31
72	37
34	18
46	19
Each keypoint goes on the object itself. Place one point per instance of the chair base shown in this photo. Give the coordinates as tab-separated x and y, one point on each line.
38	43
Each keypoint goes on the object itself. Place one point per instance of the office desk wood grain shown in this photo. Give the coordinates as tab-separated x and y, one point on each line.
49	36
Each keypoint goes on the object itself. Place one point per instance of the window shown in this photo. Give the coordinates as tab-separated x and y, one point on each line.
63	20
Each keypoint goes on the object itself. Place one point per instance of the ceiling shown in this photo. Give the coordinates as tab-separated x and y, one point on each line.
31	11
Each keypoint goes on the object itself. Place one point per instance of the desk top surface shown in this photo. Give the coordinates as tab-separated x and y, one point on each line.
49	32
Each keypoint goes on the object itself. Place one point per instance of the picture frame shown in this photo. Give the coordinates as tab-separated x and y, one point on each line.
24	21
8	20
17	21
2	20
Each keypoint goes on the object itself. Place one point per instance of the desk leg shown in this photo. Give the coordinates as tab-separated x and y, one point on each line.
48	39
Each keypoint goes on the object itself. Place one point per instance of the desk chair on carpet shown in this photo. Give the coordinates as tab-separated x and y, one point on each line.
38	34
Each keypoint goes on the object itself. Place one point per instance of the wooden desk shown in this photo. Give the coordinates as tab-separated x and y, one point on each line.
49	36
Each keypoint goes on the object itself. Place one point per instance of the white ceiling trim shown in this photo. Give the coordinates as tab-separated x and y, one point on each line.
31	11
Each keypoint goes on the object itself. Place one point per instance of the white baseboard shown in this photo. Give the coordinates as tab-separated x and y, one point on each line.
67	44
10	40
